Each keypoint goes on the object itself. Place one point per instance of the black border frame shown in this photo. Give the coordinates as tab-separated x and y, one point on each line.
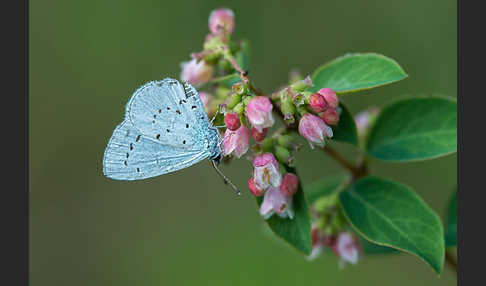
14	209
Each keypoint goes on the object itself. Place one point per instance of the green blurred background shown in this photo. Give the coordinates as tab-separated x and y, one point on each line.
187	228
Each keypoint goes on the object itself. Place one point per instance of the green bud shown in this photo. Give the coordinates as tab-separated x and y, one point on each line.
239	88
282	154
234	99
267	144
214	43
298	99
286	141
287	104
321	205
239	108
246	100
306	95
302	110
301	85
281	168
224	64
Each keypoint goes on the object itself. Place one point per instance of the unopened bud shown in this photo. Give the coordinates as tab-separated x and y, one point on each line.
286	141
267	144
290	183
330	96
239	108
222	19
317	103
234	99
282	154
232	121
258	136
298	98
239	88
287	106
330	116
301	85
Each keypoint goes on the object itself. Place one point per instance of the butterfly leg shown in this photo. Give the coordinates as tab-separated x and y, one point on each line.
225	179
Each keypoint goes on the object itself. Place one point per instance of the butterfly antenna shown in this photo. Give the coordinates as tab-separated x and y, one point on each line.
218	111
225	179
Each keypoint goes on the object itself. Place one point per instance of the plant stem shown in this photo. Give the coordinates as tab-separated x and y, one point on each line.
340	159
451	261
243	73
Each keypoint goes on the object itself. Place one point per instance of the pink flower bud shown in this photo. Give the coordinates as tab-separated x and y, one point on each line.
347	248
314	130
289	185
274	202
330	116
236	141
365	119
254	188
232	121
317	102
259	112
266	172
205	98
258	136
330	96
196	73
222	19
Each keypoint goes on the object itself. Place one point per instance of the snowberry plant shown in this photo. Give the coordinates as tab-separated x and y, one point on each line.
348	215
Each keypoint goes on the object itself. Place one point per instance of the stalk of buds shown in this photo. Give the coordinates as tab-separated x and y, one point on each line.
248	113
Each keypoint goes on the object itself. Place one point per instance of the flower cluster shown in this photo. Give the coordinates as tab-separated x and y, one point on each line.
249	113
344	245
277	191
329	231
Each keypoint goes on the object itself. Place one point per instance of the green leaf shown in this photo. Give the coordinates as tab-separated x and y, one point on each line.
415	129
375	249
227	80
451	222
243	56
391	214
355	72
296	231
346	130
325	186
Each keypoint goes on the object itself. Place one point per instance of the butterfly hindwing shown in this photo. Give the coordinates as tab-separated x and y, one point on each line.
131	155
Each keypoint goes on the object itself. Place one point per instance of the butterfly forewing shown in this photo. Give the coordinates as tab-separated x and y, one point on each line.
169	112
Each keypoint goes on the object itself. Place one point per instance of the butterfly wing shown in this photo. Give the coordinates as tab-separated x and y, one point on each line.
170	112
131	155
165	130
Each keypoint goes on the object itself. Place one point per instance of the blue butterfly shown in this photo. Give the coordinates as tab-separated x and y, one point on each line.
165	129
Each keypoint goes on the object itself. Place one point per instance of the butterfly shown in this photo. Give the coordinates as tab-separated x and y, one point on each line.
165	130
